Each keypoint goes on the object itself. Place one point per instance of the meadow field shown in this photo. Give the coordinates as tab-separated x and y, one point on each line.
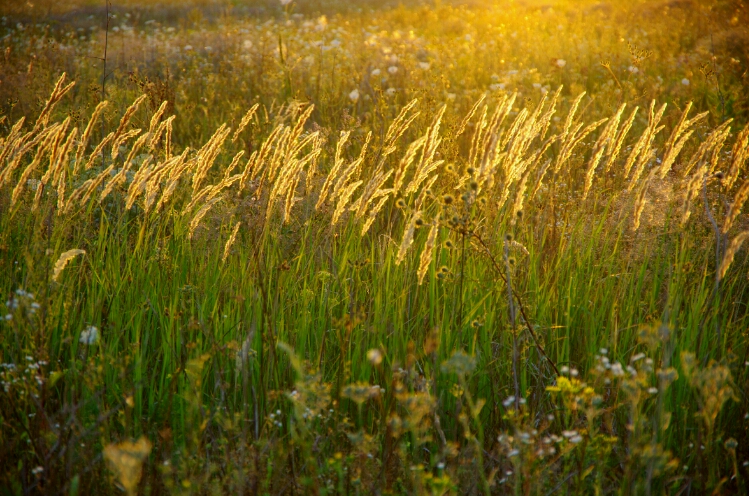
362	247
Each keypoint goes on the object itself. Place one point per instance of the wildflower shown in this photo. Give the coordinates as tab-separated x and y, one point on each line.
247	44
390	92
424	65
392	69
633	69
375	72
285	2
561	63
637	357
360	392
374	356
685	82
89	336
617	370
354	96
459	363
322	23
451	96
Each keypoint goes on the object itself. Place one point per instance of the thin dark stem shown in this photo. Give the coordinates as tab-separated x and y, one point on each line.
718	236
511	313
518	301
460	286
717	81
104	60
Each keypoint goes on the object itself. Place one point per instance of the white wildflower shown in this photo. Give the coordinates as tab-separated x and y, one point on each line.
89	336
374	356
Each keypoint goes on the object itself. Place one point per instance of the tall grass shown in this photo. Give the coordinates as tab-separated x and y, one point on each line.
516	297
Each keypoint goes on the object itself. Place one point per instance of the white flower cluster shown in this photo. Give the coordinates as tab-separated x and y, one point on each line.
21	299
89	336
29	373
275	419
